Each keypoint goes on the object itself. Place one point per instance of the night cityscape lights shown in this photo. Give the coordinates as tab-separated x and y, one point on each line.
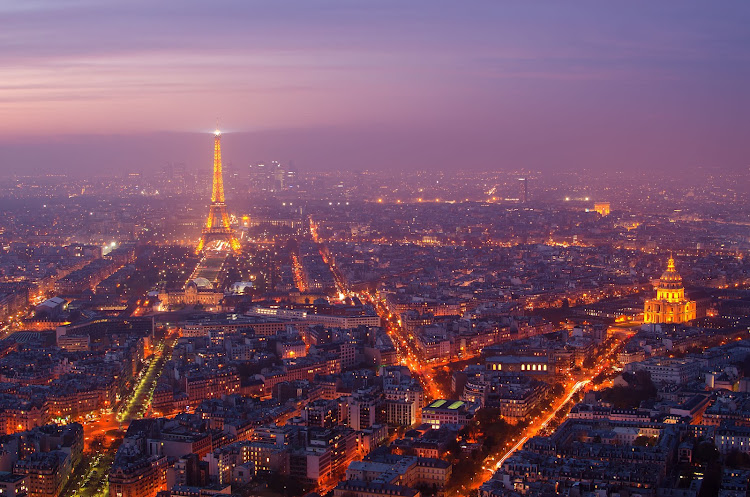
352	343
496	251
217	224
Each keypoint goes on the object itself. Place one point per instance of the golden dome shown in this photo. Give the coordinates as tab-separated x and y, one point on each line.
670	279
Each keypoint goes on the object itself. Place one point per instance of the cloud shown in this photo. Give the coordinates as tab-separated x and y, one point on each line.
494	68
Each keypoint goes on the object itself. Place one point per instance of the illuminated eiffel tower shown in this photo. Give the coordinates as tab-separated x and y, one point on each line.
217	225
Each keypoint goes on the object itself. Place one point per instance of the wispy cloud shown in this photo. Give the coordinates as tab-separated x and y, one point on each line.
119	66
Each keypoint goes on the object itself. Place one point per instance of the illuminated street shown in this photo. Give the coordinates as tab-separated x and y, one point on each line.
138	401
405	349
110	427
495	461
375	249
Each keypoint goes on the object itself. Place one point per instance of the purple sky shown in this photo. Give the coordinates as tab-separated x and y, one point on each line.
357	84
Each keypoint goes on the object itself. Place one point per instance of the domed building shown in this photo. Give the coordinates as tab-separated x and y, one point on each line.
670	304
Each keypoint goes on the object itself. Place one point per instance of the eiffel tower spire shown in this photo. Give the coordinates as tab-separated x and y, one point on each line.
217	224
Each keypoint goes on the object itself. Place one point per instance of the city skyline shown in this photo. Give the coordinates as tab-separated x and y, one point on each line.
437	249
126	86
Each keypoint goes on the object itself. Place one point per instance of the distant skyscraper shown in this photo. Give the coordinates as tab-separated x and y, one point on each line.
272	177
524	189
291	180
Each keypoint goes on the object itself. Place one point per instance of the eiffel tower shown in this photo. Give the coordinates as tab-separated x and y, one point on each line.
217	225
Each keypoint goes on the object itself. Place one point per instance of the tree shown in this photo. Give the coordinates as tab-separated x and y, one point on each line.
705	452
558	389
97	442
737	459
454	448
589	362
645	441
640	388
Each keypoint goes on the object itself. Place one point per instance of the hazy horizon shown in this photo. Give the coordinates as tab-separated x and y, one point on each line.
91	87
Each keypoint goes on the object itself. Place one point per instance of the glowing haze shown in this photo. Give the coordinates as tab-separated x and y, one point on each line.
374	84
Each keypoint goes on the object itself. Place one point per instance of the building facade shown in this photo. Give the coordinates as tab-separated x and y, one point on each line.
670	304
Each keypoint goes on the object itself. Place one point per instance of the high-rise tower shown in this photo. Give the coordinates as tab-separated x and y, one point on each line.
217	225
525	192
